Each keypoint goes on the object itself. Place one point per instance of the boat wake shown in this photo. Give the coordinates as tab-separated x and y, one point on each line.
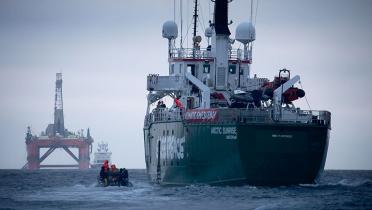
342	183
353	183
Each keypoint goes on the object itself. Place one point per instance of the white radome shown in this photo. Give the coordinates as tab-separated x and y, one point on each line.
208	32
245	33
170	30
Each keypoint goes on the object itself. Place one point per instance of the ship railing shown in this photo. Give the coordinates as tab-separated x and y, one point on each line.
163	115
164	83
262	115
181	53
320	117
307	116
203	53
255	115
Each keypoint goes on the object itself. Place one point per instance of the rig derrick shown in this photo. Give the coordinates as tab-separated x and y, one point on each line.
57	136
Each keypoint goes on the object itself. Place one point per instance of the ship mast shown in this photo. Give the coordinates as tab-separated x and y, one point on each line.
195	40
195	17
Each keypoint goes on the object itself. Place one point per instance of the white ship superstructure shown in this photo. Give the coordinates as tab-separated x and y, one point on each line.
101	155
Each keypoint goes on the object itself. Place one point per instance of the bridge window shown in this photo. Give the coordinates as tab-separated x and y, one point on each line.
191	69
206	68
172	69
232	69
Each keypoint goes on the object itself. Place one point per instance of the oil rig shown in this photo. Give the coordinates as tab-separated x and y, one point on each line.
57	136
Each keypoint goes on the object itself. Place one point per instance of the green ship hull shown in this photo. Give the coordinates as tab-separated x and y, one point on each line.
227	126
228	153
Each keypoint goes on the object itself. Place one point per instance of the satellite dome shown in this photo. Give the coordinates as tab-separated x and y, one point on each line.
245	33
208	32
170	30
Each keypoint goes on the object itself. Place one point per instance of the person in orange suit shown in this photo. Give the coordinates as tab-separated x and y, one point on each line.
178	102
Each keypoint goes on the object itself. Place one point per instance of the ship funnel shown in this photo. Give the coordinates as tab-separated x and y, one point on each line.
220	17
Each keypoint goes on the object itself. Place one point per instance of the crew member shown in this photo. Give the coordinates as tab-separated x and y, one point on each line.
114	174
163	105
104	173
178	102
123	178
158	105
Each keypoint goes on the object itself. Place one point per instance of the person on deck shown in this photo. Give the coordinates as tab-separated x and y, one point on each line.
126	175
106	165
163	106
104	173
158	105
123	178
178	103
114	173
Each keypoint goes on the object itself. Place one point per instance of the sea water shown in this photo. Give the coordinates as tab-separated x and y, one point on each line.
74	189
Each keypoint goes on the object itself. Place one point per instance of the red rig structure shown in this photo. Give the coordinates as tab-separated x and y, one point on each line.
56	136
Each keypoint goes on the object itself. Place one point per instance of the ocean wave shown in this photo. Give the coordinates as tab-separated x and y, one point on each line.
309	185
78	190
267	206
354	183
343	183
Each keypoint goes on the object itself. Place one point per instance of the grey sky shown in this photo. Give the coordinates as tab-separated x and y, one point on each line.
105	49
